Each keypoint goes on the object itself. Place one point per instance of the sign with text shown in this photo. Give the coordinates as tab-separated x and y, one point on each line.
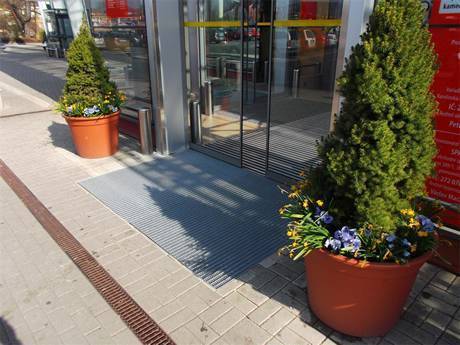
116	8
449	6
445	185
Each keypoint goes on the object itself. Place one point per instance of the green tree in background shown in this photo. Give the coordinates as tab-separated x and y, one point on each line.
381	151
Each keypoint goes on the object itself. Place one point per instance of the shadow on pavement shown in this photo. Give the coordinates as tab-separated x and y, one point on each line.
7	333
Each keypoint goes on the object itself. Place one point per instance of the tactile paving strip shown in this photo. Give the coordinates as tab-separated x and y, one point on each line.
140	323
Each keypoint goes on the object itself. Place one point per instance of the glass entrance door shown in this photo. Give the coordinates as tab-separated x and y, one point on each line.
266	79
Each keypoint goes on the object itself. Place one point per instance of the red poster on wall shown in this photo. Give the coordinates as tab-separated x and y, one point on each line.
444	26
116	8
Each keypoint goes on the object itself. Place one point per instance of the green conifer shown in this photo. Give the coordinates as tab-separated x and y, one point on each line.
381	151
88	81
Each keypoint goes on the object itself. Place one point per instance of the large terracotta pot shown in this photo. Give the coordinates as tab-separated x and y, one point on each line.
356	298
95	137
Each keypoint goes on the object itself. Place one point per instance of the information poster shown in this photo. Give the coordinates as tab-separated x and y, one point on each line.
445	186
116	8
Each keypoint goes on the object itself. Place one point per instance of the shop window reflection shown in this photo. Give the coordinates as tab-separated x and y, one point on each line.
123	43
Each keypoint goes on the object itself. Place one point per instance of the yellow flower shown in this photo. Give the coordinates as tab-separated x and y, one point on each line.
289	233
291	255
305	244
403	212
305	203
293	195
320	203
410	213
282	210
294	244
413	248
106	101
413	223
422	234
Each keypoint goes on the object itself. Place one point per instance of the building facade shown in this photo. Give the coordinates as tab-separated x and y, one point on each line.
250	82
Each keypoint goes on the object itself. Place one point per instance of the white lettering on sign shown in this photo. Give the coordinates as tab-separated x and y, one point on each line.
449	6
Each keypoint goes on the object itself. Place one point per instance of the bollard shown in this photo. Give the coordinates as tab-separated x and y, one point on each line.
208	96
196	121
266	71
295	82
145	128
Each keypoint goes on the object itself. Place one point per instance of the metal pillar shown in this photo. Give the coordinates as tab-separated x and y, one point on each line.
295	82
208	97
145	128
195	110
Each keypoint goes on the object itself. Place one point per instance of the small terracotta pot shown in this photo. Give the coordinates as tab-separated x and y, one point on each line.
362	299
95	137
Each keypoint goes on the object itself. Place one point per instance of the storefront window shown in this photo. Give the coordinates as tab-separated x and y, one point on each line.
121	35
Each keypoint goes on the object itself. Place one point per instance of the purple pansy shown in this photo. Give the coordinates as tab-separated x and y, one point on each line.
333	244
391	238
426	223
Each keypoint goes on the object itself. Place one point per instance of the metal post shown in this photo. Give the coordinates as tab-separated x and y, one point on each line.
295	82
195	110
208	96
145	127
219	67
266	71
224	68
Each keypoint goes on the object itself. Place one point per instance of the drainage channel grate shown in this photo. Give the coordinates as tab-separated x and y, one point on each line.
140	323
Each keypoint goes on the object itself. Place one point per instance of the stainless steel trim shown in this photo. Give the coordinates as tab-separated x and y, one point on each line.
269	86
145	130
336	98
155	77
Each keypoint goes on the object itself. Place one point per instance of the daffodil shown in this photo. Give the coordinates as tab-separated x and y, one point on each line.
320	203
294	244
410	213
305	203
289	233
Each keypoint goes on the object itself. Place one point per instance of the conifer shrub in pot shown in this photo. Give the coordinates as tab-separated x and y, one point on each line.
355	218
90	102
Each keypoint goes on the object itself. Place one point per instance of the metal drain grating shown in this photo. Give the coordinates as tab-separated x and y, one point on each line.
140	323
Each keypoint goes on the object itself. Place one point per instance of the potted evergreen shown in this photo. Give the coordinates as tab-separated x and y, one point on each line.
354	218
90	102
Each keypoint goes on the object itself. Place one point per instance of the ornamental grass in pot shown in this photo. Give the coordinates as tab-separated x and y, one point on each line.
90	102
355	218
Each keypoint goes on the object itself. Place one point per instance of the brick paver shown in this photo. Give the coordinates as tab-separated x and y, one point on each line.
45	299
266	305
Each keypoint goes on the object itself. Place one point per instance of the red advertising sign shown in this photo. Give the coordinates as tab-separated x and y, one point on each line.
116	8
444	26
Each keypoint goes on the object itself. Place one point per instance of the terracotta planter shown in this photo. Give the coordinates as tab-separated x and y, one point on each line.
95	137
356	299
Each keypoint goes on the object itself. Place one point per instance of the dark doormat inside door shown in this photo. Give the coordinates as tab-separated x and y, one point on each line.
216	219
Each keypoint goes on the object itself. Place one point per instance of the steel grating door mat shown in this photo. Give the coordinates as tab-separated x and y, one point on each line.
216	219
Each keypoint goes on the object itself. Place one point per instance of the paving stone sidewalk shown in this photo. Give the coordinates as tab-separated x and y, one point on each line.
266	305
45	299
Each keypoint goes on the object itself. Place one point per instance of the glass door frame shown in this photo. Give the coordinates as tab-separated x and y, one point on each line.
194	40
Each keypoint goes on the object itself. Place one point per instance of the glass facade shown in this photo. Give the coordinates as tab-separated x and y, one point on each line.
123	42
272	68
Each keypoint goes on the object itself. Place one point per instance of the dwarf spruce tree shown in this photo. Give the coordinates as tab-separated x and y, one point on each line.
87	77
381	150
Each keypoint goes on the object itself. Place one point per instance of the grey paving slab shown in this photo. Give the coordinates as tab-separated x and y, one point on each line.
35	314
